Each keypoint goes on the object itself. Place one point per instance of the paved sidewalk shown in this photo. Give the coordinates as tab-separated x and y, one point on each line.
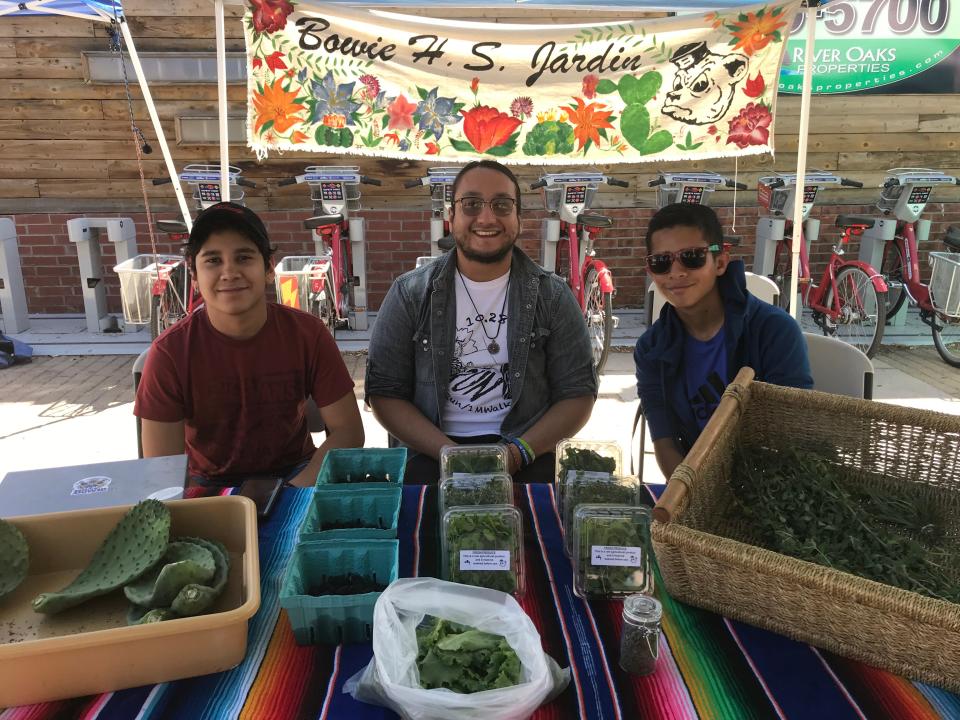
78	409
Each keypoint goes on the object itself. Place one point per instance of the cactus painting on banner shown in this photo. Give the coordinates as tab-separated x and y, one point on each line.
346	80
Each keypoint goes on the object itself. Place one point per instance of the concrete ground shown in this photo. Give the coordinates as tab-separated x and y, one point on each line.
73	410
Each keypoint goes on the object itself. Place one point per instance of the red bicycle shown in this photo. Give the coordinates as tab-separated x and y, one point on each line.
905	193
567	196
322	283
849	303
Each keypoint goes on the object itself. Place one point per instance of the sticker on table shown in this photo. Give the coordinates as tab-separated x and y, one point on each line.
485	560
91	485
616	555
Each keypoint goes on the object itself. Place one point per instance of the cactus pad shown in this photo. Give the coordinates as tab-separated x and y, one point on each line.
150	616
183	564
134	546
195	598
14	558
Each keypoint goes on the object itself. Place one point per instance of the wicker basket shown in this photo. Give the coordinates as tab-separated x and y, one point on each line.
707	557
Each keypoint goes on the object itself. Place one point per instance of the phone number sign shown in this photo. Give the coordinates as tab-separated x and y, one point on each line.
865	44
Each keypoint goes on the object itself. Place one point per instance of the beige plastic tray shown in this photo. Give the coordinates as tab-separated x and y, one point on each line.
90	649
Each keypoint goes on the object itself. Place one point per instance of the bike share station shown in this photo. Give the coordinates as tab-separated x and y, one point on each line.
13	296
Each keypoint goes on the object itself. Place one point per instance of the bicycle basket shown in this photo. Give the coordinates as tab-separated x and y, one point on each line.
293	276
137	277
945	283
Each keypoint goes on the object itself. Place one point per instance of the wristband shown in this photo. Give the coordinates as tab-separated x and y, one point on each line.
526	446
518	444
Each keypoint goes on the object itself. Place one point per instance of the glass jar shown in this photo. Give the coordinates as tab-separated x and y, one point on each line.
640	638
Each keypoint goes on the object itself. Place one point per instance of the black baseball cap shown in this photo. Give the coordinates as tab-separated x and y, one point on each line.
229	215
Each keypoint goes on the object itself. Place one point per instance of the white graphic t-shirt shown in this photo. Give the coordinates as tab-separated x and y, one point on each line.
478	398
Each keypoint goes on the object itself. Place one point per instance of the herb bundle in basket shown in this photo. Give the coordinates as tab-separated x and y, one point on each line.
801	504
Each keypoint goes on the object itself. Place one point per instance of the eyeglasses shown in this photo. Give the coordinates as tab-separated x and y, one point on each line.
691	258
473	206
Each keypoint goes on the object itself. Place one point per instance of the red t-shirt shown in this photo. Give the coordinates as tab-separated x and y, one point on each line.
242	401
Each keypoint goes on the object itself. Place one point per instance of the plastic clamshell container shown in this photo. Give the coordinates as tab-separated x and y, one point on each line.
354	463
333	619
612	552
566	459
463	490
90	649
483	546
377	508
473	460
586	488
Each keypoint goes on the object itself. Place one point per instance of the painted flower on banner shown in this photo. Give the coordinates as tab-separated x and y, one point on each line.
332	99
754	31
754	87
435	112
298	137
589	88
371	87
270	15
490	131
522	107
276	108
274	62
589	121
400	113
432	148
751	126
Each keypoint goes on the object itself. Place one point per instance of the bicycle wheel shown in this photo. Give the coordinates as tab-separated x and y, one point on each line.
892	271
599	318
323	308
946	338
863	311
165	310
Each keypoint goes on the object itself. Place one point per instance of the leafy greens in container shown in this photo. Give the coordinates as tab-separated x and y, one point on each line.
612	554
588	488
584	456
463	659
483	546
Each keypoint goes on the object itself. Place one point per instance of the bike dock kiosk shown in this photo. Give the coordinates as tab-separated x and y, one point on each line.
86	233
13	297
358	251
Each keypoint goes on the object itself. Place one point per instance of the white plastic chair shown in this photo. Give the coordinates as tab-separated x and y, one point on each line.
839	368
760	286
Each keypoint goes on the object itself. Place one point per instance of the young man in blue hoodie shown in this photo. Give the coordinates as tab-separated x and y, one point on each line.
709	328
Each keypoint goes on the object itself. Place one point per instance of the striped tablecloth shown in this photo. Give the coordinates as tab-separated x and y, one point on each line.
710	667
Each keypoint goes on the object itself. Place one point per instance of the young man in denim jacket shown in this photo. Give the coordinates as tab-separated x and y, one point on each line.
709	328
481	345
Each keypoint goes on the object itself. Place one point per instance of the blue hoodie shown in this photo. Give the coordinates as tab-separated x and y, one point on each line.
757	334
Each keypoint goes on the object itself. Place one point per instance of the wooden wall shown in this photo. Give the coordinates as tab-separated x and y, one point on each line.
66	147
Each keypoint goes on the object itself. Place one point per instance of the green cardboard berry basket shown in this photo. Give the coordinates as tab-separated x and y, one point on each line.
378	508
332	619
341	463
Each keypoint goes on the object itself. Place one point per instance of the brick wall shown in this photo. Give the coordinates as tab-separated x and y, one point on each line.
395	239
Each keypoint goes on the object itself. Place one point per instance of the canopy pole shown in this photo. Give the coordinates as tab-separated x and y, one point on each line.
222	102
811	21
155	119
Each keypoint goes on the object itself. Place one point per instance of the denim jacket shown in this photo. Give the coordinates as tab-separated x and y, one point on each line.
412	343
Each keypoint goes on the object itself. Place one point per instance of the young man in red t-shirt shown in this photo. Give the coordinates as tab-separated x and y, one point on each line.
229	384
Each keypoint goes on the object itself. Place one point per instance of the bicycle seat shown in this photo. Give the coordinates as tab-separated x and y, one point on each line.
732	240
593	220
174	227
952	238
321	220
851	220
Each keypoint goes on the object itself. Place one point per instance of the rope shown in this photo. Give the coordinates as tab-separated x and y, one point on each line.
139	141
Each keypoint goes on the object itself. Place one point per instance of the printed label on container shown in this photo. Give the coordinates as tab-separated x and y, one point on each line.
594	475
91	485
485	560
616	555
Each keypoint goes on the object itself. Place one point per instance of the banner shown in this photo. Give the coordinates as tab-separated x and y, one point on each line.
341	80
868	44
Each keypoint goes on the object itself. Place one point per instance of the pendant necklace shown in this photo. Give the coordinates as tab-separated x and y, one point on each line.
493	347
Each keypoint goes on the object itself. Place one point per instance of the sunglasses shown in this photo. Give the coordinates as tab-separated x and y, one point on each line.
691	258
473	206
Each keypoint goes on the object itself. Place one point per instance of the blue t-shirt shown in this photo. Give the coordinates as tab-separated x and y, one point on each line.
705	374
